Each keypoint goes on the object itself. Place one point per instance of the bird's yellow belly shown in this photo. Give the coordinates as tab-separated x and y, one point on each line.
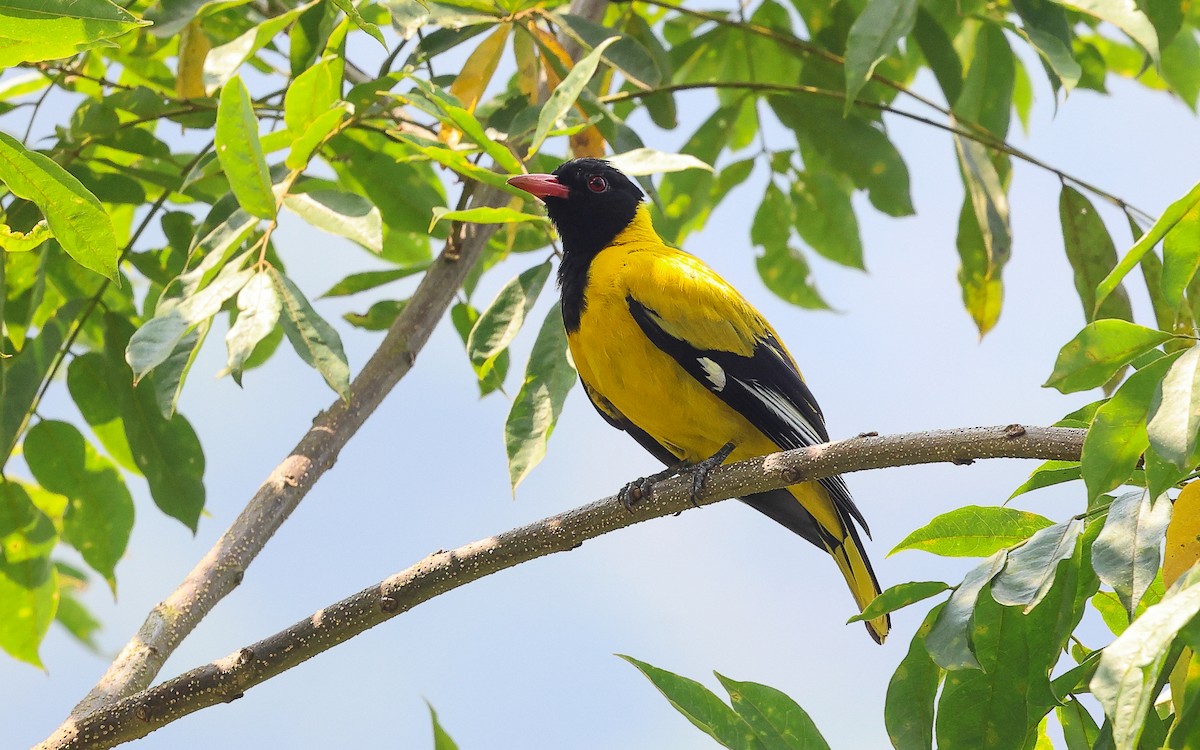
651	390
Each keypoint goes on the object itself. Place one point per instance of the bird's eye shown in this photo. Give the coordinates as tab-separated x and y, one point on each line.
597	184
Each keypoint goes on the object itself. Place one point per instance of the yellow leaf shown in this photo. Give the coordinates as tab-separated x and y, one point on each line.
477	71
476	74
588	142
193	48
1183	534
527	66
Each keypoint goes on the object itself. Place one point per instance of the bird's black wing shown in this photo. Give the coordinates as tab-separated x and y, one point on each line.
765	388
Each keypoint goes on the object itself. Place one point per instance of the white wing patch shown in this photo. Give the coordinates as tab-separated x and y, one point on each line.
784	409
714	373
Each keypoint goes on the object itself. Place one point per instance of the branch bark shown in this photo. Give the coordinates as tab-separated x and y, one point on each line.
227	679
222	568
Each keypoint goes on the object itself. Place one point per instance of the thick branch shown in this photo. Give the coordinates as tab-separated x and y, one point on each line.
221	570
227	679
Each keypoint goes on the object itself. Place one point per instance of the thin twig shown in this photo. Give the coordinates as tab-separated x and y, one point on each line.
228	678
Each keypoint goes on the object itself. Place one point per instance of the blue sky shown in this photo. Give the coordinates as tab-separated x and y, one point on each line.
524	659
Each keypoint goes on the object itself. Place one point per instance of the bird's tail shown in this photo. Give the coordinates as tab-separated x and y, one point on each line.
856	568
830	530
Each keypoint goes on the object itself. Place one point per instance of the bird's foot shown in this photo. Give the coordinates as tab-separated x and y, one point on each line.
641	489
701	469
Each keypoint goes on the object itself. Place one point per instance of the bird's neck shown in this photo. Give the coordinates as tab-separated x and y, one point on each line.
578	252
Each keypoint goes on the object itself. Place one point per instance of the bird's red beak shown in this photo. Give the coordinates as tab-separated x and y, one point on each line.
540	185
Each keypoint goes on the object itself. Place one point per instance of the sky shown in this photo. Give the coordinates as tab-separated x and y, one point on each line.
525	658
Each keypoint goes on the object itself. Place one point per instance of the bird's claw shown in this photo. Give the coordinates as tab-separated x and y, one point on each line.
701	469
636	491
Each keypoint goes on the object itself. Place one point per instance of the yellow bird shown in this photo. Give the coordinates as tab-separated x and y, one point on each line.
675	356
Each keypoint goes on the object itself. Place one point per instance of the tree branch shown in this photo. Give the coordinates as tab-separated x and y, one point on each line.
221	570
227	679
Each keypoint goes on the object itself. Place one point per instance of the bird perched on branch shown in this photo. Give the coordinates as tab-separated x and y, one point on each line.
675	356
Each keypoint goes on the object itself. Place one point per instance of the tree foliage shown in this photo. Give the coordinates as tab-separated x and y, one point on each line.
152	211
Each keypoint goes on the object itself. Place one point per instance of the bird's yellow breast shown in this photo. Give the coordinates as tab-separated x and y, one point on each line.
648	387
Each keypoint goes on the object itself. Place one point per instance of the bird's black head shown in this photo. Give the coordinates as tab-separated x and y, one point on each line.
589	200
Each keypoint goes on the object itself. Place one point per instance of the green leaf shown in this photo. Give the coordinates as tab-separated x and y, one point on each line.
441	740
646	161
899	596
23	375
258	313
1032	567
988	200
379	317
853	146
317	343
1001	704
28	600
361	282
701	707
1174	424
78	221
240	151
974	531
484	215
626	54
783	269
222	62
1126	16
99	515
1181	66
982	288
1057	56
1048	474
873	36
36	30
1117	438
158	338
989	87
774	717
1092	255
503	318
1181	257
549	376
1126	555
312	94
824	218
463	316
1112	611
566	93
311	138
347	7
344	214
908	708
1098	351
1172	216
12	241
1079	728
171	374
949	640
26	531
1125	682
92	388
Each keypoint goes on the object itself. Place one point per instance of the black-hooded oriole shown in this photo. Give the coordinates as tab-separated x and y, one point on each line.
672	354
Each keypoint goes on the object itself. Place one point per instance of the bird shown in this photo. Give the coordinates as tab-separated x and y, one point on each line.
675	356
